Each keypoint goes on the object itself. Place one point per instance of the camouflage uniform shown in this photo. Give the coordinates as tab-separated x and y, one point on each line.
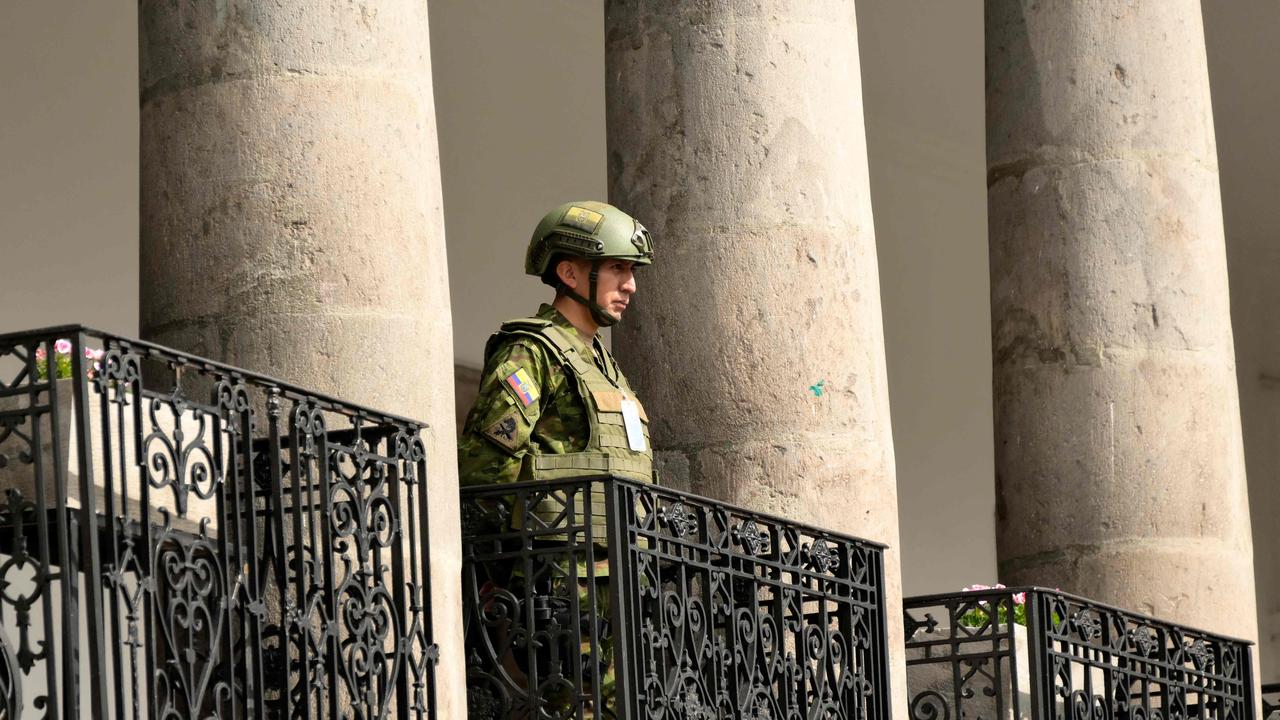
529	408
543	413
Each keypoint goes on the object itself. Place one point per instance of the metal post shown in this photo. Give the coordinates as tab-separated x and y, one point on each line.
886	702
91	562
621	598
1041	697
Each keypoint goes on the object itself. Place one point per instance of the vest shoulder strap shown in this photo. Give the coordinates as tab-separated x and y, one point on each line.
529	323
554	339
521	327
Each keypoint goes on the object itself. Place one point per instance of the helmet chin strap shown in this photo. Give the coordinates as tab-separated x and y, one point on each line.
599	314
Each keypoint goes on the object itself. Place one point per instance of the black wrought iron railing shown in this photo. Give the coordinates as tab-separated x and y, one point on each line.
183	539
1271	701
609	598
1015	653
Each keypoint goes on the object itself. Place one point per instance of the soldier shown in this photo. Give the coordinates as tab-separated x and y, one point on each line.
553	403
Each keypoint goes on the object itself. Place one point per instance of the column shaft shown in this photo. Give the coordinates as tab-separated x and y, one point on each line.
1119	464
291	218
735	131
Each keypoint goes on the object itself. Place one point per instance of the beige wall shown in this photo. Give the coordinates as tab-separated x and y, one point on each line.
923	90
520	91
520	111
69	164
1243	57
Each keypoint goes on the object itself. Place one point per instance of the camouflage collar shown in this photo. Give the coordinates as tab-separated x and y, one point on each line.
546	311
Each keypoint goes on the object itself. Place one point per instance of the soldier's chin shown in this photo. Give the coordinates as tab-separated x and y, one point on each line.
614	317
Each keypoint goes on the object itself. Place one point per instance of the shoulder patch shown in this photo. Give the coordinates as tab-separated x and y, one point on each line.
522	385
503	431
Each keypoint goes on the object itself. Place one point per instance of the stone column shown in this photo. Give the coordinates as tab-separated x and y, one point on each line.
1119	466
735	134
291	219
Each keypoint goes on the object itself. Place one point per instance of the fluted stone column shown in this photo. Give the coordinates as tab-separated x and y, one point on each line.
1120	471
735	133
291	218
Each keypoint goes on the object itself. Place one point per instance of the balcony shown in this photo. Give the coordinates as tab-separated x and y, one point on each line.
607	598
1019	654
180	538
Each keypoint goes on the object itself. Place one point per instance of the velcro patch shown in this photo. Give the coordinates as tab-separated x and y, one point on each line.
503	432
611	401
520	383
583	219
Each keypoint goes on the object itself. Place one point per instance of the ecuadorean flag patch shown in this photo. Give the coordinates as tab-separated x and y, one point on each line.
523	387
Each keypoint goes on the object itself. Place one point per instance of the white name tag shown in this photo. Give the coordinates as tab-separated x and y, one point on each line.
631	419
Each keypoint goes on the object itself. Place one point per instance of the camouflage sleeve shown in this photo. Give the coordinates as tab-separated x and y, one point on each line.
495	437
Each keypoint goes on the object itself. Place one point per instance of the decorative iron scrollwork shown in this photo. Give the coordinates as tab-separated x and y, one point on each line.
726	614
1096	662
1145	640
929	705
243	563
752	539
822	557
1087	624
1201	653
176	461
191	617
678	518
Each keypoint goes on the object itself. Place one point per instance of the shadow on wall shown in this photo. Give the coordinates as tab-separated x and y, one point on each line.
466	386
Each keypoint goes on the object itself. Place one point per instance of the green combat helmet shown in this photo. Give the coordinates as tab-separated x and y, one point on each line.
593	230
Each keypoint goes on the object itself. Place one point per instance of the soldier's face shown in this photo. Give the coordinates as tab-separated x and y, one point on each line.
616	285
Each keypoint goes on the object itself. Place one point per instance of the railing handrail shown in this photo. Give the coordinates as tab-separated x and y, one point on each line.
337	404
934	598
502	488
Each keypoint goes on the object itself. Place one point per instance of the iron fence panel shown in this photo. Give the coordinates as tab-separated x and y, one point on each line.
1013	653
182	539
610	598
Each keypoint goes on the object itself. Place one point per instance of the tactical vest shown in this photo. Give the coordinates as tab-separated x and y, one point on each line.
607	451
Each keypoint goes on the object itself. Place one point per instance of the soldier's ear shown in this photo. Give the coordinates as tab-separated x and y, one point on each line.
567	271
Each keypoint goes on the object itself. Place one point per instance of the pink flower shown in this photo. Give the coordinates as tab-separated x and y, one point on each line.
40	353
1020	598
975	588
62	347
91	354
